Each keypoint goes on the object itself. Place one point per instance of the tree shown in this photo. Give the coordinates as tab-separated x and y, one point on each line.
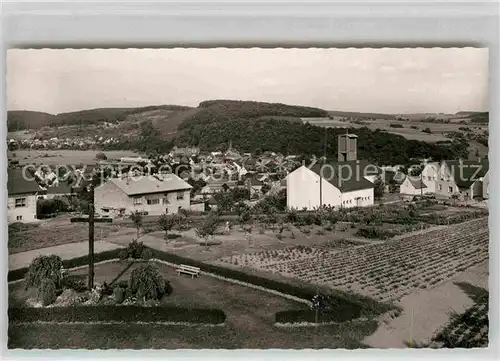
166	223
225	187
137	218
378	190
265	188
208	227
427	130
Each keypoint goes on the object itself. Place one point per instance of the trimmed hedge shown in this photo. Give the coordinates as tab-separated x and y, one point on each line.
116	314
343	313
19	274
366	305
351	303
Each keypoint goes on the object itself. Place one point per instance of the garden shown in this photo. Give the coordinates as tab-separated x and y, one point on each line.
134	287
384	271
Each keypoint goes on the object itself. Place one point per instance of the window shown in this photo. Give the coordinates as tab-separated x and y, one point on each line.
153	201
429	178
450	189
440	187
105	210
180	196
19	218
137	200
165	200
20	202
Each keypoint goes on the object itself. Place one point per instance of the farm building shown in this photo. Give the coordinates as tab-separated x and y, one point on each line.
152	194
22	197
414	186
461	177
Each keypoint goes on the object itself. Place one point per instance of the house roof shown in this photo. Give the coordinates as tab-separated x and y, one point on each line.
348	176
150	184
466	172
18	184
417	183
61	188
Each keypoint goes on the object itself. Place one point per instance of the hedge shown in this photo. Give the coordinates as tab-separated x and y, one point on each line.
351	303
366	305
343	313
116	314
19	274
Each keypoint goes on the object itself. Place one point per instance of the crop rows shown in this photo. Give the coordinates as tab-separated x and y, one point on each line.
467	330
390	270
274	257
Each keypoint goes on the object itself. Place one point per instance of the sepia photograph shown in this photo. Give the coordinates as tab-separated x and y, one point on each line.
248	198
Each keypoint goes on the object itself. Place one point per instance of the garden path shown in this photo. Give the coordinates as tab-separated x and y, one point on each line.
430	309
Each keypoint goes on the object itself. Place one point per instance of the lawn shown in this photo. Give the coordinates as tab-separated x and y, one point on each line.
48	233
249	324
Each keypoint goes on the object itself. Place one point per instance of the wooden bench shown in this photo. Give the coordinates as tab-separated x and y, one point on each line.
189	270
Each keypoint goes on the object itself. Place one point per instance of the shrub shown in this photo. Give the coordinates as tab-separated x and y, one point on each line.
119	294
106	289
47	292
134	250
74	283
146	254
147	283
42	268
168	288
374	233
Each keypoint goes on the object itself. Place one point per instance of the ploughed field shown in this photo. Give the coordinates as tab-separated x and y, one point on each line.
384	271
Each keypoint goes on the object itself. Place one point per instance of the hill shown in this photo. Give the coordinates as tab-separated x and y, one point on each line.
20	120
483	117
357	115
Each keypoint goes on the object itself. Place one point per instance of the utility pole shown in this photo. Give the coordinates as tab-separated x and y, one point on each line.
91	238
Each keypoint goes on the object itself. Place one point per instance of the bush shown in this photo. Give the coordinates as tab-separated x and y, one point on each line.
134	250
374	233
146	282
119	295
146	254
102	313
21	273
74	283
47	292
106	290
42	268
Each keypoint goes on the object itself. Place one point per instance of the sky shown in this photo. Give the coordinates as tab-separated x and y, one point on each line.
418	80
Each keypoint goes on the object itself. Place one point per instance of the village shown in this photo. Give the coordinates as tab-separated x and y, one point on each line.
153	216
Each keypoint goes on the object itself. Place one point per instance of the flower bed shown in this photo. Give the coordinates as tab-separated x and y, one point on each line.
117	314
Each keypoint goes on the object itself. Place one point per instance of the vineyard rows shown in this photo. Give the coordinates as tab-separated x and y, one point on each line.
385	271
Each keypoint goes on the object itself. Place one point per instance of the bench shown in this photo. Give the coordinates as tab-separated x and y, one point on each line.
190	270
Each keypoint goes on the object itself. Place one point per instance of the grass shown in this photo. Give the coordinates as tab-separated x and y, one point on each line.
40	235
136	336
249	324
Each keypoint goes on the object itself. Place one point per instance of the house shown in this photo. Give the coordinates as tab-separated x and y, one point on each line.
22	196
462	177
486	185
430	176
336	185
254	186
414	186
154	194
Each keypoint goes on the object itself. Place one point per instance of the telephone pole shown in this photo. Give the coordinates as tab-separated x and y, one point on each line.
91	238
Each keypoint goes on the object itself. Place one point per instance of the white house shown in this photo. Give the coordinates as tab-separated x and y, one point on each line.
414	186
154	194
22	196
430	175
336	185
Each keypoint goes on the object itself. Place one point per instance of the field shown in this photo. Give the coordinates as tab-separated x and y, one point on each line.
438	129
383	271
249	324
69	157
